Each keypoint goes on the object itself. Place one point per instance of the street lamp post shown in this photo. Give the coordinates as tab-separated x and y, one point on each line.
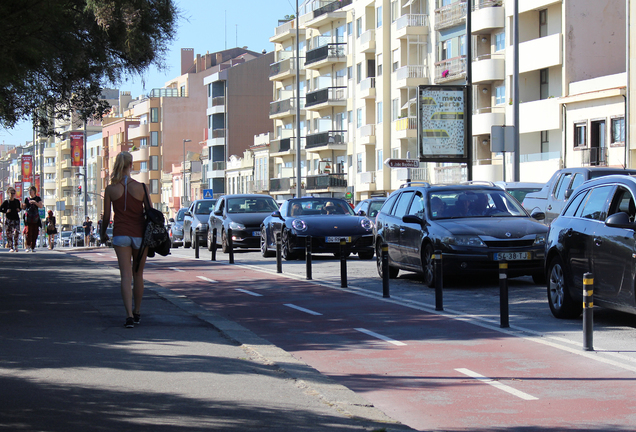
183	172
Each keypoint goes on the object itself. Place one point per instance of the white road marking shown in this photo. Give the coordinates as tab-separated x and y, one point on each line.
496	384
379	336
249	292
302	309
176	269
207	279
100	254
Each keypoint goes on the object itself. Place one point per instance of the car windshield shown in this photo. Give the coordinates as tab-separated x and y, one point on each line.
374	208
319	206
65	233
204	207
251	205
520	194
180	215
473	203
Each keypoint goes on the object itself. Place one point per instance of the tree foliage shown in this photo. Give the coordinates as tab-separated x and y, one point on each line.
57	55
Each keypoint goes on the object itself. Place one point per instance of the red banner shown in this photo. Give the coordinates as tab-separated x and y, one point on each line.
1	196
38	182
18	190
77	149
27	169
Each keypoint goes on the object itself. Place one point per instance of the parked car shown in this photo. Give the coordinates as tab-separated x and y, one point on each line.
594	233
176	228
109	235
369	207
326	220
64	238
519	190
244	214
474	226
77	236
552	197
195	217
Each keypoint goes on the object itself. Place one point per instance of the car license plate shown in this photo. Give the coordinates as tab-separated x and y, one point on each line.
337	239
256	233
512	256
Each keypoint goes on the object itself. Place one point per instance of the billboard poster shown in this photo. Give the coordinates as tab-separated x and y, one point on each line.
442	123
18	190
1	196
38	182
27	168
77	149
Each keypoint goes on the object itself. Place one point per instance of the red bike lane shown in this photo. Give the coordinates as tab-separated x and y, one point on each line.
430	371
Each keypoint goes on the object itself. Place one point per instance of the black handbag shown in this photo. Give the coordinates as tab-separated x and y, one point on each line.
156	237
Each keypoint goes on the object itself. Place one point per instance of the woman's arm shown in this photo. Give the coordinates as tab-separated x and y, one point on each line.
106	215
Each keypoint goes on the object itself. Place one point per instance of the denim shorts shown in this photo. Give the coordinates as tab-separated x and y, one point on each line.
127	241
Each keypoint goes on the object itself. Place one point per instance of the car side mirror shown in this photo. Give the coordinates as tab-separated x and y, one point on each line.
171	220
187	213
568	193
361	213
538	215
619	220
218	212
412	219
277	214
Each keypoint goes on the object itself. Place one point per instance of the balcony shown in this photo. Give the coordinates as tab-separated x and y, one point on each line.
450	69
365	181
539	53
50	152
260	186
65	145
488	68
539	115
595	156
450	16
326	182
69	201
411	25
367	41
217	136
142	154
325	55
142	176
406	127
485	118
287	31
411	76
328	13
285	107
281	185
488	15
326	98
367	135
135	132
367	88
285	69
216	105
68	182
330	140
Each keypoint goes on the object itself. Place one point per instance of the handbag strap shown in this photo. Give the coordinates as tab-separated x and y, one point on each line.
146	199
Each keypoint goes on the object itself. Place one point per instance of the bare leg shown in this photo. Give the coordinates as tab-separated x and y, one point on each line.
138	278
124	255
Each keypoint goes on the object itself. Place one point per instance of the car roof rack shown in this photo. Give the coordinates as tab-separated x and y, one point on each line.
416	183
478	182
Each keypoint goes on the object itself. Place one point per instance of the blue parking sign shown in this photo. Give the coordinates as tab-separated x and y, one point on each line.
208	193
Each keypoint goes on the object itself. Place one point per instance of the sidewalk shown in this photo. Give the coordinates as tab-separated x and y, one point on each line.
68	364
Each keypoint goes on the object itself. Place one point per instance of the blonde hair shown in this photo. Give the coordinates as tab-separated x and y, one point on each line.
122	161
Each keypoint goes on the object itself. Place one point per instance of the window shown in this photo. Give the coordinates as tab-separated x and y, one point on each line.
143	142
154	186
500	41
544	91
154	138
350	28
500	95
574	204
359	117
359	162
543	22
417	206
562	185
394	11
580	133
358	27
154	115
182	91
579	179
379	113
595	206
395	153
403	204
379	16
143	166
395	60
618	130
395	109
379	164
350	72
545	142
379	63
462	45
154	163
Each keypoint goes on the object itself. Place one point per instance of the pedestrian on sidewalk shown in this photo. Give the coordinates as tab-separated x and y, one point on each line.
98	240
127	199
11	208
88	228
32	204
51	229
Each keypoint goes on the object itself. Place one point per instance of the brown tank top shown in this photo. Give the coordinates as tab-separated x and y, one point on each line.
131	221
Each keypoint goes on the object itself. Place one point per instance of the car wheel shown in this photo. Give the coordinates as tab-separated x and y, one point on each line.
286	252
265	252
393	271
366	255
561	303
224	246
428	267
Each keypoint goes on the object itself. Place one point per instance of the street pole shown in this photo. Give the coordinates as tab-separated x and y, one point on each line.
183	173
515	90
85	176
298	173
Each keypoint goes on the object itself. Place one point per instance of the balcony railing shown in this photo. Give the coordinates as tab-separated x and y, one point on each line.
451	15
411	20
285	105
261	185
325	181
334	51
218	101
284	66
367	36
279	184
449	69
412	72
333	6
216	133
329	94
481	4
407	123
595	156
167	92
326	138
367	84
218	166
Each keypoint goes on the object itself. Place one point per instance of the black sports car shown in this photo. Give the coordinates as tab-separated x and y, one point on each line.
326	220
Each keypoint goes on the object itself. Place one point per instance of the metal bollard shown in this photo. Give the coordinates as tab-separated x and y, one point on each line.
279	261
230	245
308	256
503	295
588	313
213	246
196	243
439	281
385	270
343	264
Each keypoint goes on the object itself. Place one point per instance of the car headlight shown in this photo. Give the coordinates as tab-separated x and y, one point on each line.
237	226
539	239
366	224
463	240
299	225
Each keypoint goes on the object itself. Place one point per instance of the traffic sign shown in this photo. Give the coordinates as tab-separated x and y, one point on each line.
402	163
208	193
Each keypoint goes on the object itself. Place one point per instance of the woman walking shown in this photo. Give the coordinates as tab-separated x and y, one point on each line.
11	208
51	229
127	199
32	204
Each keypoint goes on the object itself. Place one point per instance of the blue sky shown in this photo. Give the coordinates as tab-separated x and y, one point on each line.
207	25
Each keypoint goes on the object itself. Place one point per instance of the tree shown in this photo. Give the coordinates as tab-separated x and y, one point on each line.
57	55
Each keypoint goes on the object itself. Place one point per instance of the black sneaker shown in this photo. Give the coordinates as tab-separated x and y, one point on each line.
130	322
136	318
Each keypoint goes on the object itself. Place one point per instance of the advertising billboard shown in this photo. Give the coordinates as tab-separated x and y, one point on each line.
18	190
27	169
77	149
442	123
38	182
